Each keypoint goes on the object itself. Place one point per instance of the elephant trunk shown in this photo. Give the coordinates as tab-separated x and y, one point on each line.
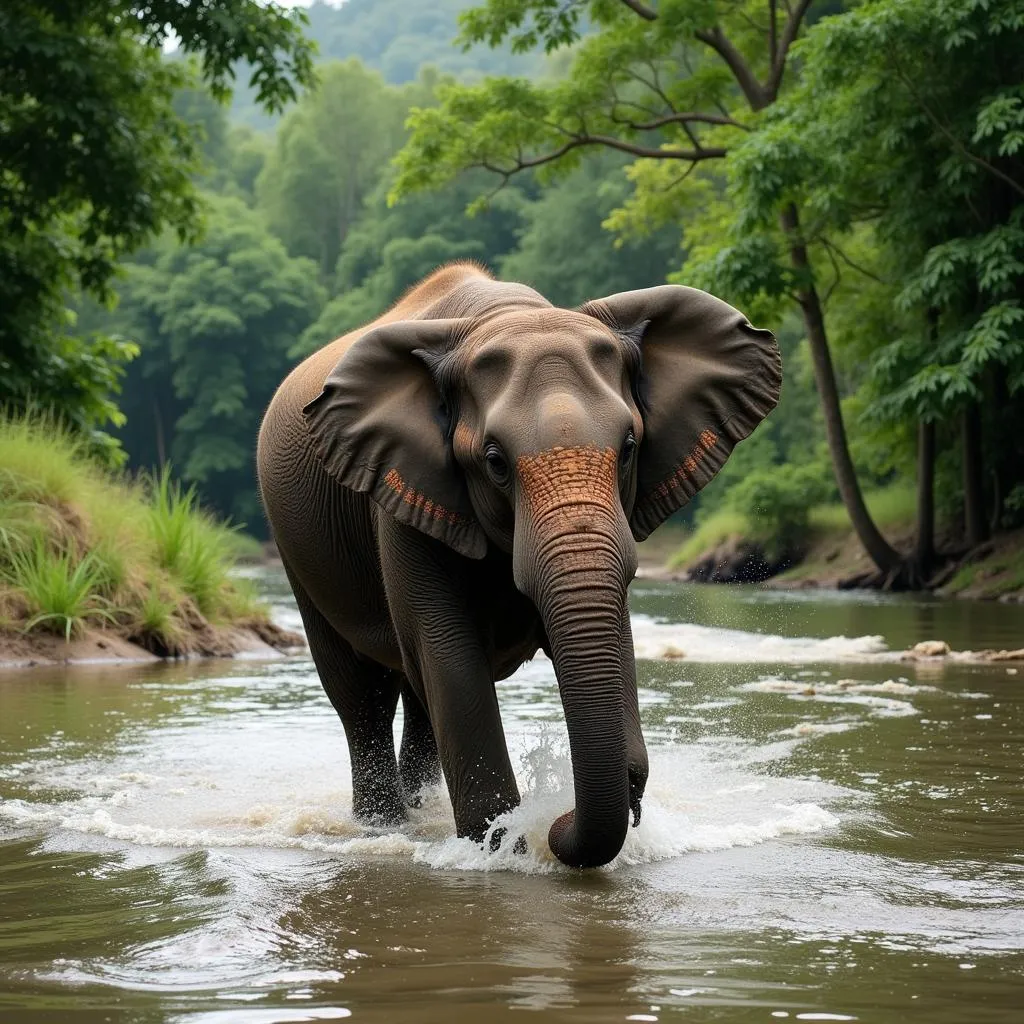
574	558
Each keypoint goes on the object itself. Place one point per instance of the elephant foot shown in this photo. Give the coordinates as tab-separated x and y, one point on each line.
417	774
637	785
498	837
379	810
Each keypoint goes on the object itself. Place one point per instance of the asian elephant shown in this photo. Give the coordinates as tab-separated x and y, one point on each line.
461	483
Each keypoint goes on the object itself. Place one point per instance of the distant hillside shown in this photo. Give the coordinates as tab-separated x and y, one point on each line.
396	37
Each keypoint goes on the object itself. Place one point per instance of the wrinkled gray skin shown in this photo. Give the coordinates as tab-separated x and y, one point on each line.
460	484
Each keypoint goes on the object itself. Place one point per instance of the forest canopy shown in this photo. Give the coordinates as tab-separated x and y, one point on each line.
849	174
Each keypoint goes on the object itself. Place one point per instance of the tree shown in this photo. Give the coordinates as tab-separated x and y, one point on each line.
328	156
214	321
933	164
563	249
96	161
392	247
680	87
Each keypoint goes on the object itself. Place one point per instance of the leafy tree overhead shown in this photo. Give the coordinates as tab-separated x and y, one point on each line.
96	160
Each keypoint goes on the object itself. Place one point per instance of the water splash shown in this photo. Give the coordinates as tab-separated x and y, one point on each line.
699	799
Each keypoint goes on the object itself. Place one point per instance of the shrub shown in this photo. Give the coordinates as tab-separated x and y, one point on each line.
776	502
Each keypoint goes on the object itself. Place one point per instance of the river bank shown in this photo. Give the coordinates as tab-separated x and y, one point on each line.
95	566
833	558
258	639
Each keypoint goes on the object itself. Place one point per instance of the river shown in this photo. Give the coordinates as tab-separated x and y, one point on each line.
829	834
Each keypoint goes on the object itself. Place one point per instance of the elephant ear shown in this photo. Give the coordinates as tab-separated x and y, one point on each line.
707	380
379	430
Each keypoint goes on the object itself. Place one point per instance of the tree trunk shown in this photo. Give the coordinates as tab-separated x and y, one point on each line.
161	448
975	523
885	557
924	551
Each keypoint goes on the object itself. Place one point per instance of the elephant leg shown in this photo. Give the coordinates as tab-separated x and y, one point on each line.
418	761
636	749
448	670
471	741
365	696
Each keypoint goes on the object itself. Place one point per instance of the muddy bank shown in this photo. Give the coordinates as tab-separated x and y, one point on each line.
254	639
994	571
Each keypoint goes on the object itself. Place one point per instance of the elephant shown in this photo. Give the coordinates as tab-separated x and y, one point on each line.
462	483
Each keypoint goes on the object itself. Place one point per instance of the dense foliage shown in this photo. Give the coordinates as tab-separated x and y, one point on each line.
214	322
745	147
94	160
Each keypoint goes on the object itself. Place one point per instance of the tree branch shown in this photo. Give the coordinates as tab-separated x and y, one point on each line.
957	144
691	135
831	247
678	181
694	156
789	33
643	10
681	118
745	78
773	26
835	282
618	101
654	86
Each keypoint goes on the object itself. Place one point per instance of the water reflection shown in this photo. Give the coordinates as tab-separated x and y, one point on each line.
904	619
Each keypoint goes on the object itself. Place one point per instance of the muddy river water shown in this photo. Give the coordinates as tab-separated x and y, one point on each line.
829	835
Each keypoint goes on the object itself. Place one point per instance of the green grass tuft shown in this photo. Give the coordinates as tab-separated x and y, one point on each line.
157	626
195	549
61	593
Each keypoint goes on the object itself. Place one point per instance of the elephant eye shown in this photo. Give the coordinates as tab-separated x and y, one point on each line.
628	450
497	464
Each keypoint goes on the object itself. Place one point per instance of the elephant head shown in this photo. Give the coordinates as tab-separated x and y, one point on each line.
562	437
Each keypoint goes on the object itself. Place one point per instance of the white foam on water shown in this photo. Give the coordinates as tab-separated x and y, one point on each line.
700	798
804	729
813	689
656	639
879	698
